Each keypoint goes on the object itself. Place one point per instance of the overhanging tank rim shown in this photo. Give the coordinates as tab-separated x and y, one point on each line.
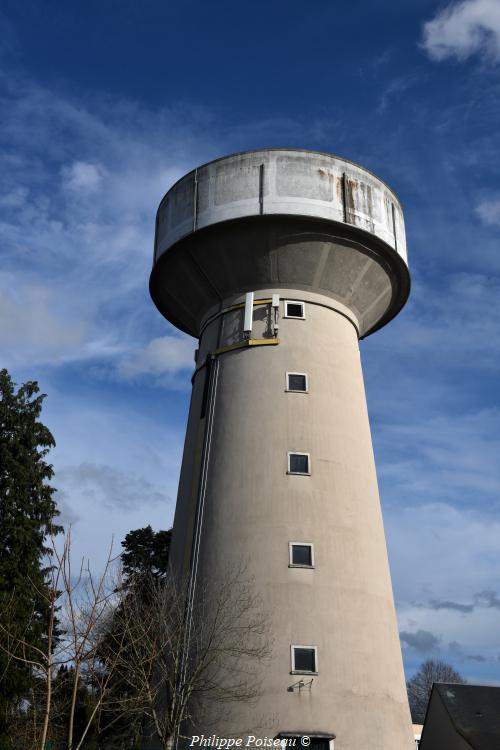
398	264
277	148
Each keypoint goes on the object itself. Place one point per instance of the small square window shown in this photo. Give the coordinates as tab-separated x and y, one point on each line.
304	660
301	555
294	309
297	382
298	463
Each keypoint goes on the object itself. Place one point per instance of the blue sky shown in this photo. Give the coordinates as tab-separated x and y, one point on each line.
104	104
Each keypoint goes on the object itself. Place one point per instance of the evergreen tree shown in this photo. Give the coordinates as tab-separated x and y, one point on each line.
145	557
27	513
146	553
63	687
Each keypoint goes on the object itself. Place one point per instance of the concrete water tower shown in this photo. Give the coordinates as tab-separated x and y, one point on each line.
278	465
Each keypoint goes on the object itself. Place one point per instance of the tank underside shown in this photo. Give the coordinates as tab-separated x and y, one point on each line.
347	264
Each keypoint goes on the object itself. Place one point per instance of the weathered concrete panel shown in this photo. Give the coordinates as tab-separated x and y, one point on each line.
302	183
304	177
236	180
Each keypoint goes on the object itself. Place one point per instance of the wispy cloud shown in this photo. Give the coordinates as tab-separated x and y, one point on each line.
394	91
477	657
112	488
80	183
488	599
454	606
166	355
489	211
447	316
444	563
422	641
116	463
35	325
450	458
464	29
82	177
443	553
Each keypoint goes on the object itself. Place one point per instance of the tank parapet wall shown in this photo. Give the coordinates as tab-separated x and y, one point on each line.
283	218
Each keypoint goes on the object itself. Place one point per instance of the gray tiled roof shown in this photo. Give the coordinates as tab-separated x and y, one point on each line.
475	713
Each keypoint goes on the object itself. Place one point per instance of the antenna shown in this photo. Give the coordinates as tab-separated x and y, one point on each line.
275	304
248	322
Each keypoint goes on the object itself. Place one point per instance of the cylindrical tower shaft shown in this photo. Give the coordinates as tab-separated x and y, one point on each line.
278	472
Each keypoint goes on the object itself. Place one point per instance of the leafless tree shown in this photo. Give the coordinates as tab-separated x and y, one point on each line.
146	661
420	685
77	605
178	667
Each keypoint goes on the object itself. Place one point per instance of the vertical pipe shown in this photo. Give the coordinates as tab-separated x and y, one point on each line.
344	196
212	375
261	189
195	200
394	226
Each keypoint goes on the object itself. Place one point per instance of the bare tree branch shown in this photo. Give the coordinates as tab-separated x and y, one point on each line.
173	685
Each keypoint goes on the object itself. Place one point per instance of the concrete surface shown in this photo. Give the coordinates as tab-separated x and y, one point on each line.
352	280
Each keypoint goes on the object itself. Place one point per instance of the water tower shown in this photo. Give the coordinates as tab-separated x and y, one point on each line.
279	261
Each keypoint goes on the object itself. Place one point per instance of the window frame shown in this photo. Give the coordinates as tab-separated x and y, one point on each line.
291	563
294	390
299	473
295	302
293	670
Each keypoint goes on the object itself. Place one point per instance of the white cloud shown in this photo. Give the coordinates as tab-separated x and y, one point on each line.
442	556
116	466
166	355
14	199
451	457
110	487
422	641
394	91
454	322
32	328
463	29
79	188
489	211
81	176
422	537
